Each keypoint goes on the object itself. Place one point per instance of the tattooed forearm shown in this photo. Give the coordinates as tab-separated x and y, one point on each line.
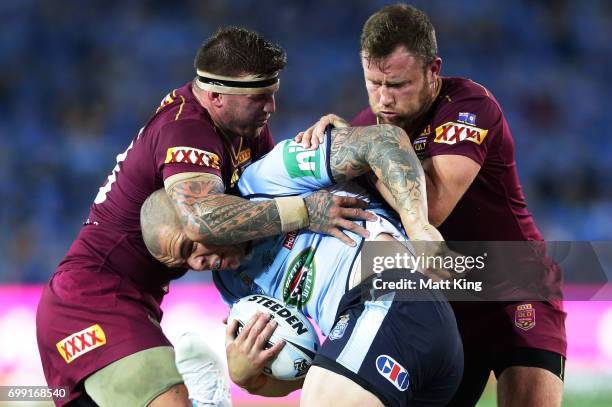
209	216
386	150
348	153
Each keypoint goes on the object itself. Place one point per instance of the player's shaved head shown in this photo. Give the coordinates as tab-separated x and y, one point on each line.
156	214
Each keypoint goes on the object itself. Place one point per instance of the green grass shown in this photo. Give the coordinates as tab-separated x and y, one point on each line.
596	399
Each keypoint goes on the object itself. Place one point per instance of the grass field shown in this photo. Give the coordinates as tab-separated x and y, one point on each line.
601	398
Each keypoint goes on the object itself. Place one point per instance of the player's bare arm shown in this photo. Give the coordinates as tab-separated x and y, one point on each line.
386	151
448	178
210	216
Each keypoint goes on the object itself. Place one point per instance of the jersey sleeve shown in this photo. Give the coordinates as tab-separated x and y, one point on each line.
228	285
188	146
365	118
287	170
466	127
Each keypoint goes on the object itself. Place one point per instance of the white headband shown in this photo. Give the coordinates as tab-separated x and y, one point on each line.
239	85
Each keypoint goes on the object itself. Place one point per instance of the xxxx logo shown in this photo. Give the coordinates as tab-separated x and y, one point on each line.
188	155
451	133
81	342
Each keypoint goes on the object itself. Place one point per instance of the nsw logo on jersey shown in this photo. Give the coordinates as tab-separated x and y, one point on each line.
339	328
81	342
453	132
299	279
190	155
393	371
300	162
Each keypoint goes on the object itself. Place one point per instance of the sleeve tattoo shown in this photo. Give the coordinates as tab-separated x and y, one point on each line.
209	216
385	150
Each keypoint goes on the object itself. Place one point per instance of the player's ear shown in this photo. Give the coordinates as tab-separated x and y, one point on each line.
215	98
433	70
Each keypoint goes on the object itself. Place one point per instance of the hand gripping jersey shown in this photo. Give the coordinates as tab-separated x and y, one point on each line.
309	270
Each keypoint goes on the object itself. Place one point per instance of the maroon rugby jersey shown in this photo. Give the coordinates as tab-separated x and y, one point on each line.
179	137
467	120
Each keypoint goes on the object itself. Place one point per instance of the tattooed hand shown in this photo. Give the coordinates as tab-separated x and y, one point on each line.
329	213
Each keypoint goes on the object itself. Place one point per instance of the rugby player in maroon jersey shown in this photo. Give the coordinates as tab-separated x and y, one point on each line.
459	132
98	319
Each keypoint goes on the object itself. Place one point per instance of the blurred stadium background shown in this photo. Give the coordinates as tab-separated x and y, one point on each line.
79	78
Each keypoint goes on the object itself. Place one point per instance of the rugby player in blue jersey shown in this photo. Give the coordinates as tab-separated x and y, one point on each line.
380	350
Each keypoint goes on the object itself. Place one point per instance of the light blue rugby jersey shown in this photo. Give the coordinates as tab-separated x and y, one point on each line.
305	269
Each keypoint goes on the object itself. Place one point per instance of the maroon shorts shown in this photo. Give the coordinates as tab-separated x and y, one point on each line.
87	320
498	335
491	327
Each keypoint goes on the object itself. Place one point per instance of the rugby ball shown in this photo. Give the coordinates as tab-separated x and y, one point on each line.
301	340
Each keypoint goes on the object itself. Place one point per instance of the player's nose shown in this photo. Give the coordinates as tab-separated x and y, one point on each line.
270	106
197	263
386	98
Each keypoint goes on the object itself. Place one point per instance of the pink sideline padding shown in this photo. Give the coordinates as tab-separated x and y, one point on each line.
198	307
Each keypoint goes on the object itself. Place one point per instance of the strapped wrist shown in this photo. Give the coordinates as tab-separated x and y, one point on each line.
292	212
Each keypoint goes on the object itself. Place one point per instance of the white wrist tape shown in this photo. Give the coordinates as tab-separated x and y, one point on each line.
292	212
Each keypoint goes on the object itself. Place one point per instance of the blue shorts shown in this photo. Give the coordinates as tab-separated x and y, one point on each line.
406	351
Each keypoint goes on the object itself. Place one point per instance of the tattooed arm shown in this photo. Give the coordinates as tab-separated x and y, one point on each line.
386	151
211	217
